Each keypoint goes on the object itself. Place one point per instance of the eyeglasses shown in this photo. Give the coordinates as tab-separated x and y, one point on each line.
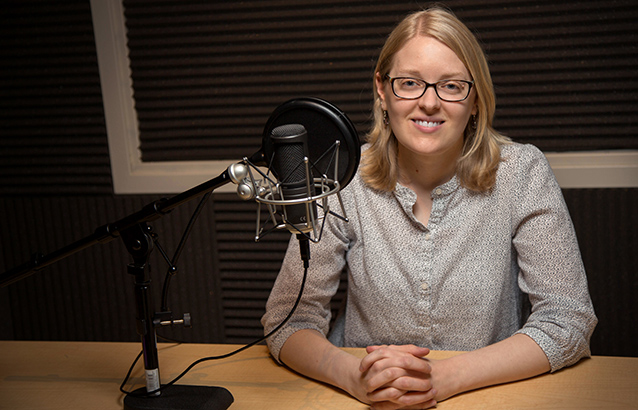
408	88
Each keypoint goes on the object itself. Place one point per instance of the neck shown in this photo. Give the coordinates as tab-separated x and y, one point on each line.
425	172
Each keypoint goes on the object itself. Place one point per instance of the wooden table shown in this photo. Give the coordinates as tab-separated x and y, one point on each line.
87	375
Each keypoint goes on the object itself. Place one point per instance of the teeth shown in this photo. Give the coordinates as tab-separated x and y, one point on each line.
428	124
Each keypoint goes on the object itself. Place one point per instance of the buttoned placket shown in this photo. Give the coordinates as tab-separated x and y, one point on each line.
440	197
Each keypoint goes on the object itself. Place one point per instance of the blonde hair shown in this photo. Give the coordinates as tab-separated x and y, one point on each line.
477	166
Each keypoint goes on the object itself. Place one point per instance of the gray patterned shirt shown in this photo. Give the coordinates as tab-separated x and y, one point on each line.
459	283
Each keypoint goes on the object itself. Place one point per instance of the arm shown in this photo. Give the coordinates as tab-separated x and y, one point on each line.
388	379
515	358
397	378
551	272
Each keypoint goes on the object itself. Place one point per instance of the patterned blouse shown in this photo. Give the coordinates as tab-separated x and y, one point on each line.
464	281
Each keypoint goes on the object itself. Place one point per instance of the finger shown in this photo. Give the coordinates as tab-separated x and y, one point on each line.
385	358
412	349
388	352
417	400
399	379
388	394
370	349
396	399
399	374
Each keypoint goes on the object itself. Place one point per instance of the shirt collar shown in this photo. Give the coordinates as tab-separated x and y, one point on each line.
404	193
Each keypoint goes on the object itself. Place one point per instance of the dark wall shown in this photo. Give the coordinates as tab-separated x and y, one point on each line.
55	183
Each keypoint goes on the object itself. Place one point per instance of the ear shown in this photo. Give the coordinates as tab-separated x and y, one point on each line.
475	102
475	106
380	89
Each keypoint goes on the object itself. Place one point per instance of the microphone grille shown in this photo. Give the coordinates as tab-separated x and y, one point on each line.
290	142
288	130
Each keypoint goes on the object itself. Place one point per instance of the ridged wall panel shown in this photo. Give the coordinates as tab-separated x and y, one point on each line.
563	72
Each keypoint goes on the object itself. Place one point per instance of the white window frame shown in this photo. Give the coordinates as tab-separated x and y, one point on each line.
583	169
130	174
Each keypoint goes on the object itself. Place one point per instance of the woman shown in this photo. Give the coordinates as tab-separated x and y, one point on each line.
453	231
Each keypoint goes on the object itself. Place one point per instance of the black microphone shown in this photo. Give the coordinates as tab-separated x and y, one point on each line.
313	150
290	164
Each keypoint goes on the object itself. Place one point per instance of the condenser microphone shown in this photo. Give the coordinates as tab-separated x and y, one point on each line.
290	164
311	151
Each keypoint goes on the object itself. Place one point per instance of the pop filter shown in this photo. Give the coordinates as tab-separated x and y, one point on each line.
313	150
325	124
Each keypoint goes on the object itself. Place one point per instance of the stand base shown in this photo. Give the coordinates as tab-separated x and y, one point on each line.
180	397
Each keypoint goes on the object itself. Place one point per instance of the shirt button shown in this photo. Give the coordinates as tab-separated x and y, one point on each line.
425	286
438	191
427	236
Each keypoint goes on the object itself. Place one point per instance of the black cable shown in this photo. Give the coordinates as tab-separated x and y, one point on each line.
172	268
224	356
128	374
305	256
168	339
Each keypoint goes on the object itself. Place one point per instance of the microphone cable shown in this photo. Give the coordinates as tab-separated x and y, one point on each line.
224	356
172	268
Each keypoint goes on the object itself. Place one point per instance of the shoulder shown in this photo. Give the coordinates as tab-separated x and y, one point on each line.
522	162
526	181
521	154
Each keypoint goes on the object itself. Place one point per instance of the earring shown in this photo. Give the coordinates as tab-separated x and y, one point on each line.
474	121
386	120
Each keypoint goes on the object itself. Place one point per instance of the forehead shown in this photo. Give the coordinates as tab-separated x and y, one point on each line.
429	59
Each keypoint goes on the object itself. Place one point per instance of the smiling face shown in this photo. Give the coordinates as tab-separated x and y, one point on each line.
427	126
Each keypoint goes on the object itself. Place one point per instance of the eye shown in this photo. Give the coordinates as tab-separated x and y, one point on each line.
409	83
451	86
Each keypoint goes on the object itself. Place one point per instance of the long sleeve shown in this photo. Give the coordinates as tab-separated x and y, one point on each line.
327	259
551	269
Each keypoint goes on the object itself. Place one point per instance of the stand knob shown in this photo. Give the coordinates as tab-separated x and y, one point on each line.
186	321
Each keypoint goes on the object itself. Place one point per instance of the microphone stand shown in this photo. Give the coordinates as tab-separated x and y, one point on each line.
136	235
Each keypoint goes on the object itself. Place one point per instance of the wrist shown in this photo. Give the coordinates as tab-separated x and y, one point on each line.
446	378
347	376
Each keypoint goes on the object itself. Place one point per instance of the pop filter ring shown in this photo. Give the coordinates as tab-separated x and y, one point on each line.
325	124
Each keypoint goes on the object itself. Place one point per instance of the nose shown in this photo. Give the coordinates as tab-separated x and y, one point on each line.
429	100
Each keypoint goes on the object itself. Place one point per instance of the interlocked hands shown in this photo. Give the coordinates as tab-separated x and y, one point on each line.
396	377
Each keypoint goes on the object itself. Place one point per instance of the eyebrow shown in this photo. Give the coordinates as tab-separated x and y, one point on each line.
448	76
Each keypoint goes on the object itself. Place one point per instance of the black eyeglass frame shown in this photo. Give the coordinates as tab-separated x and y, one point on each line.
427	85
